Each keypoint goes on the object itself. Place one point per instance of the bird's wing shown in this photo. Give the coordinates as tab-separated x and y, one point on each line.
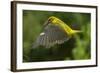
50	36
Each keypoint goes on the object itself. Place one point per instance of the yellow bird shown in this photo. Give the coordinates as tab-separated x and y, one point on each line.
55	32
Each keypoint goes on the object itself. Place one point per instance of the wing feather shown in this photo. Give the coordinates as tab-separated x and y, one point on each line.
50	36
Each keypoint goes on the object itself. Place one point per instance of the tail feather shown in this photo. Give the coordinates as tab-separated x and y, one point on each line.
76	31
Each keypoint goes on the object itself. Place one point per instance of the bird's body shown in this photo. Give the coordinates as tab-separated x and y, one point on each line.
64	26
55	32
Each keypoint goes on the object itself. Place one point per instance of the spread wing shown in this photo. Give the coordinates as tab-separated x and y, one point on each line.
50	36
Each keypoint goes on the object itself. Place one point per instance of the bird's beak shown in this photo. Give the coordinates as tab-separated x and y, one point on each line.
46	23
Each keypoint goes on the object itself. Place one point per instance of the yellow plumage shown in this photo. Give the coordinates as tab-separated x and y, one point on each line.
63	25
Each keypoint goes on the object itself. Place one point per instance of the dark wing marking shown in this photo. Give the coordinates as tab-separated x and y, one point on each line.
50	36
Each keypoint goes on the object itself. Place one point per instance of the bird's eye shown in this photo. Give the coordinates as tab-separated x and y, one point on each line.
50	20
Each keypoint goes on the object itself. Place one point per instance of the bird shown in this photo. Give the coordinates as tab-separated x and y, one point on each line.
55	31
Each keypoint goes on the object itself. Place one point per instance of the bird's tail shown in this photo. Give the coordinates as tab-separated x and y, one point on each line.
76	31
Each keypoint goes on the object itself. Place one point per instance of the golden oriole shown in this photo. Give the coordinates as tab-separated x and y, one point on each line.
55	32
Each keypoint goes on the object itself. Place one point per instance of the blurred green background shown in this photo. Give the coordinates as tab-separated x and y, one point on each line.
76	48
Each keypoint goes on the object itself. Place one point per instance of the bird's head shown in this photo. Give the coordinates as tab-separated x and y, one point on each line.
53	20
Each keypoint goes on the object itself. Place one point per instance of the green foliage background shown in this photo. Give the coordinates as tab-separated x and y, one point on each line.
76	48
